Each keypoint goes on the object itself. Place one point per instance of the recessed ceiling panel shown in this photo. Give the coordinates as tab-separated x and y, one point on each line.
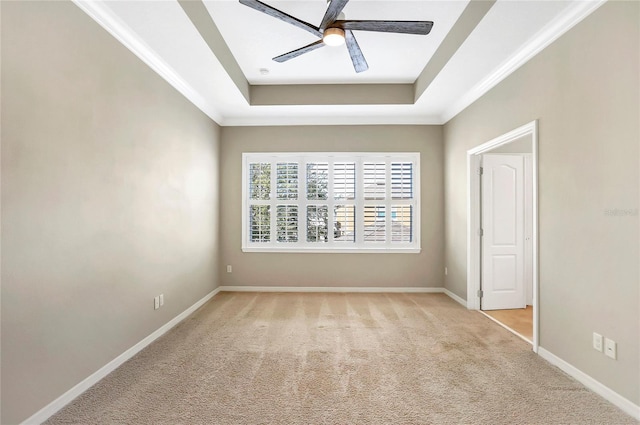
164	29
255	38
164	37
507	27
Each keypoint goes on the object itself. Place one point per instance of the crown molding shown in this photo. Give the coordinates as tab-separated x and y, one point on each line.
125	35
105	17
283	120
575	13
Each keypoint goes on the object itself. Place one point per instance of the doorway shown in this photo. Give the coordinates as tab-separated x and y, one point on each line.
502	271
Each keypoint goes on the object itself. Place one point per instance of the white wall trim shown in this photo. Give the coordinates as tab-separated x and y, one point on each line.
505	138
53	407
45	413
340	119
455	298
602	390
340	289
473	217
575	13
302	250
108	20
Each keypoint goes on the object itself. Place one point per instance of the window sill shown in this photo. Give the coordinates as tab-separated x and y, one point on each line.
335	251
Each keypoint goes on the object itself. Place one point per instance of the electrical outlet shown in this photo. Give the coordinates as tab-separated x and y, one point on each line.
597	342
610	348
156	303
229	268
161	300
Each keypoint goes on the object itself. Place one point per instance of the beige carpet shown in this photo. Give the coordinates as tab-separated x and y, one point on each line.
247	358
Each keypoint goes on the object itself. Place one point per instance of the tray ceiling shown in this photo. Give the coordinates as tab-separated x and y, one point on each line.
213	51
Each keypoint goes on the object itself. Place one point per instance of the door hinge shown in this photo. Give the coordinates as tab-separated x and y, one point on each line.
480	293
480	232
480	171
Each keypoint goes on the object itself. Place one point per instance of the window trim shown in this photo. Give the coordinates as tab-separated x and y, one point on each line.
302	158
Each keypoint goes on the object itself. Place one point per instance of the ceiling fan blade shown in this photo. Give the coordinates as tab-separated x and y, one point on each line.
333	10
295	53
404	27
265	8
359	62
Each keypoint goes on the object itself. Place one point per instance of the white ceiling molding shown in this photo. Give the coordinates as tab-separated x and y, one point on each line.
228	108
110	22
268	121
556	28
472	15
199	16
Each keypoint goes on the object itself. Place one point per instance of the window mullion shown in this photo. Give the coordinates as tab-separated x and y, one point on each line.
246	205
415	202
297	201
304	202
273	198
330	202
359	202
387	201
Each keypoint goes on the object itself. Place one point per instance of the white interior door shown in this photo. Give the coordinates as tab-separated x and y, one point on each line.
502	207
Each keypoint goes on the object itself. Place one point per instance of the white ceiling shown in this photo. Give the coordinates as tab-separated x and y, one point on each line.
162	35
392	58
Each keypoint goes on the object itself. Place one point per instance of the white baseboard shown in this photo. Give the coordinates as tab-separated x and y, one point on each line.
341	289
602	390
455	297
53	407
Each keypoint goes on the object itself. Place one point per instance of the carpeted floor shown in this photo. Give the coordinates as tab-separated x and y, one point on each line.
285	358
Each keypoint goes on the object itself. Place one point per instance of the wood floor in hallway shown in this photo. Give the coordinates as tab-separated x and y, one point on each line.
519	319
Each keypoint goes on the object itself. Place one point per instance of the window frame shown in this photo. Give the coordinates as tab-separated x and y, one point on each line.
359	202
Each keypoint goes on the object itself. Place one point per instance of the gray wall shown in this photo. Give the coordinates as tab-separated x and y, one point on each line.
584	89
276	269
109	197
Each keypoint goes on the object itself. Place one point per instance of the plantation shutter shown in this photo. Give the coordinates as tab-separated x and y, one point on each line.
324	202
401	189
344	194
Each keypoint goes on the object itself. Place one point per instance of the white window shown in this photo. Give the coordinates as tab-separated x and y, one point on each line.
331	202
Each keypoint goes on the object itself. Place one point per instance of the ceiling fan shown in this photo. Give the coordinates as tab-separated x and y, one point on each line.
335	32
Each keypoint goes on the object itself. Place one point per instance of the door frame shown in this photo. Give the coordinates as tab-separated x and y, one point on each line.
473	217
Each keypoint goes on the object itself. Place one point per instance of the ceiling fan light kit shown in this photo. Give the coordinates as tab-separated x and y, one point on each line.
333	37
335	31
